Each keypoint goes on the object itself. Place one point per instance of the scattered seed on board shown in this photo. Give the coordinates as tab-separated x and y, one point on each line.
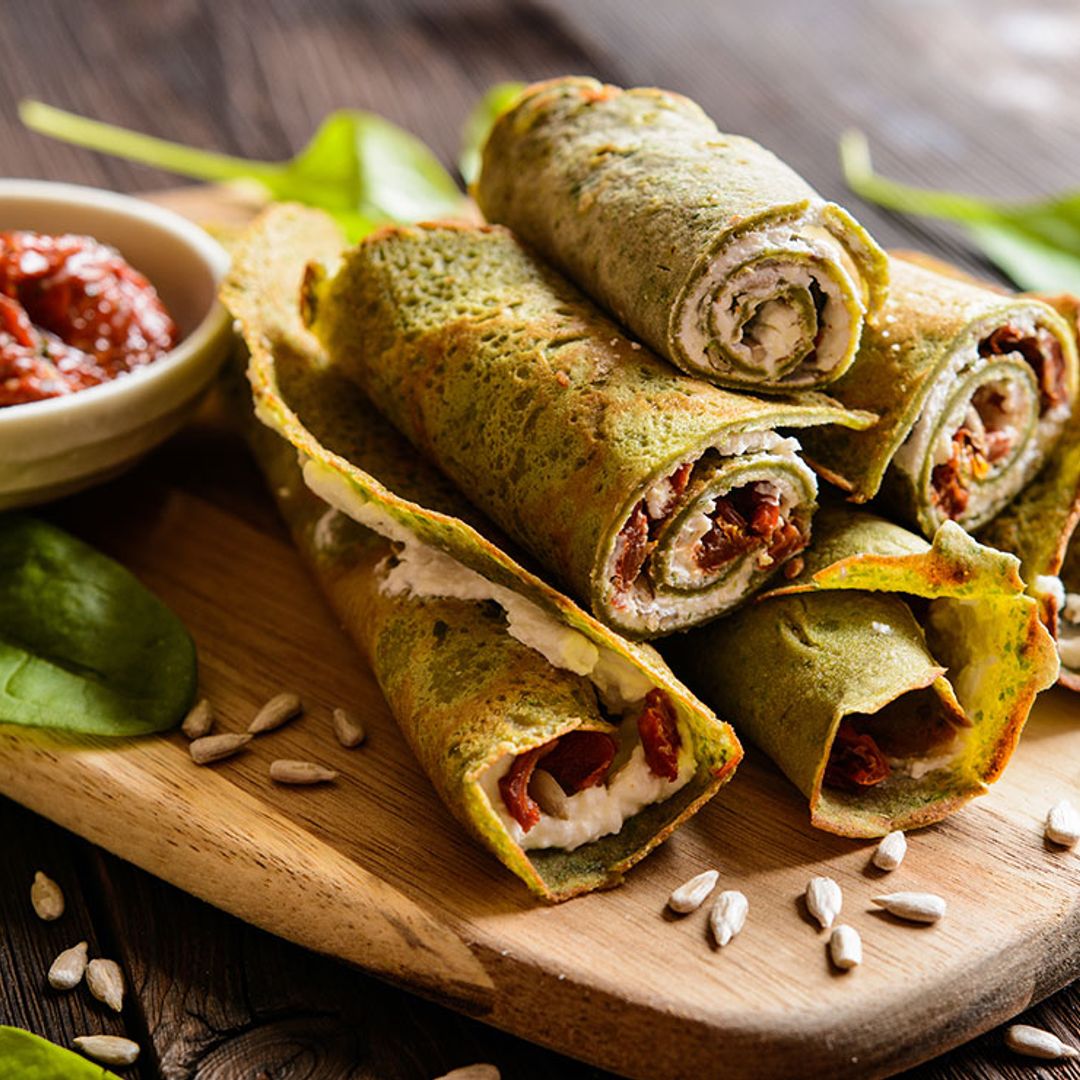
108	1049
890	852
845	947
1063	824
728	915
690	895
199	721
472	1072
549	795
920	907
348	729
46	897
300	772
211	748
824	900
1034	1042
280	709
105	981
67	970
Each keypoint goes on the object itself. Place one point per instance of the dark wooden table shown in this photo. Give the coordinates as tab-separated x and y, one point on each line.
975	95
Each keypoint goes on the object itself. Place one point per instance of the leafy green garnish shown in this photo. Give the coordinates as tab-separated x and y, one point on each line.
358	167
83	645
24	1056
1036	244
479	124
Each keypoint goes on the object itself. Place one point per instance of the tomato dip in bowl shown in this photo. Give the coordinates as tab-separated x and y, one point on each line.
107	416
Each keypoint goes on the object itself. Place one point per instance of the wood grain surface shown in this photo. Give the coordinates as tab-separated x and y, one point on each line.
973	95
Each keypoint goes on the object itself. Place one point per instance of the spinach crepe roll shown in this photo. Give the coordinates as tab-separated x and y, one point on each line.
564	749
706	245
1039	526
659	500
890	680
973	388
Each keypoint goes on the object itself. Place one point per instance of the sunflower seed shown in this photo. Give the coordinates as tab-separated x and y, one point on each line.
1035	1042
824	900
728	915
1063	824
199	721
549	795
348	729
46	897
920	907
845	947
67	970
690	895
108	1049
212	748
890	852
300	772
105	981
471	1072
277	711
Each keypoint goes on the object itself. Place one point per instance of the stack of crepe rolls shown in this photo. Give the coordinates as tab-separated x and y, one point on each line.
890	680
567	751
705	245
973	387
657	499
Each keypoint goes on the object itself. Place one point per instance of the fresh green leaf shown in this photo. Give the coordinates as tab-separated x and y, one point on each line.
24	1056
358	167
83	645
479	124
1036	244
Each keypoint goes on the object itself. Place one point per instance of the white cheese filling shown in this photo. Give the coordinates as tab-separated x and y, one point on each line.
595	811
777	331
1068	642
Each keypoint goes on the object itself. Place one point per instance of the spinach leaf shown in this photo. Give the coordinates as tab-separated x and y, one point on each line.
1036	244
84	646
24	1056
358	167
479	123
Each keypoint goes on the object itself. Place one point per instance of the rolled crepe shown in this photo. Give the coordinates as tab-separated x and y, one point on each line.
1038	527
973	388
565	750
705	245
657	499
890	680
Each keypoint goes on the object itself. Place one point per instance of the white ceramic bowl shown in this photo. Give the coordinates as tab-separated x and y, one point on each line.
53	447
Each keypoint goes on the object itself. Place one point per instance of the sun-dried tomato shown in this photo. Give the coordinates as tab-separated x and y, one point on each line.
73	314
580	759
635	545
855	760
514	788
659	731
1041	351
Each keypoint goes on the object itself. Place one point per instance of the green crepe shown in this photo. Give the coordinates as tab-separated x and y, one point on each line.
973	388
467	695
657	499
932	652
706	245
1038	528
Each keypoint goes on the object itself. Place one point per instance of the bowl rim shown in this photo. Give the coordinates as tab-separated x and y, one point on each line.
209	328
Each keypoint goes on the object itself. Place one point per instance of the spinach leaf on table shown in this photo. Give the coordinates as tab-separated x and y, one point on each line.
83	645
358	167
24	1056
1036	244
479	123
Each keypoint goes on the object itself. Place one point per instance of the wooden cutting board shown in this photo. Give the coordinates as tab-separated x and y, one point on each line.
373	870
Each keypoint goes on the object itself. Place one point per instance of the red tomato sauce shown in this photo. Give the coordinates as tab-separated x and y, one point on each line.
73	314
